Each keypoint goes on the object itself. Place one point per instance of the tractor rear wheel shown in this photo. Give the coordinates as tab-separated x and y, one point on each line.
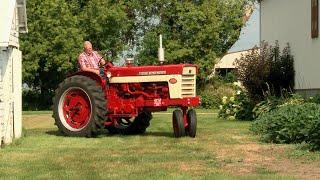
192	123
79	107
177	123
128	126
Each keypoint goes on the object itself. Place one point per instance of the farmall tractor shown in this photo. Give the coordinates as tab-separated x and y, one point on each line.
123	99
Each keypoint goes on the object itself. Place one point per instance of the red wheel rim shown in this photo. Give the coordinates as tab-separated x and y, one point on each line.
76	108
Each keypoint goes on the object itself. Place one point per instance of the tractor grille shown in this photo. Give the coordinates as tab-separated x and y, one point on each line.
188	85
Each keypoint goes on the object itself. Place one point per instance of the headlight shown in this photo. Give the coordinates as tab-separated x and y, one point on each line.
109	74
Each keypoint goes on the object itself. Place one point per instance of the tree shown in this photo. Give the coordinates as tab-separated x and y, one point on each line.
57	29
106	24
51	47
194	31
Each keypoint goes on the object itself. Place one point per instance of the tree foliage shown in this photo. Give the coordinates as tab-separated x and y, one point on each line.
57	29
51	46
267	71
194	32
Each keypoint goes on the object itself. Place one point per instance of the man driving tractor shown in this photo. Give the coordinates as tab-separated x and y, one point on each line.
90	60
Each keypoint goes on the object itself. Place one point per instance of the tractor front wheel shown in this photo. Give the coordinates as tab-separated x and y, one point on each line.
177	123
192	123
79	107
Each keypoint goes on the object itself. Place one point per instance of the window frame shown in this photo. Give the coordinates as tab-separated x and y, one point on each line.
314	19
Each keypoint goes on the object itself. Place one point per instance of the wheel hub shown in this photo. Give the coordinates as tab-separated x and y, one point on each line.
76	108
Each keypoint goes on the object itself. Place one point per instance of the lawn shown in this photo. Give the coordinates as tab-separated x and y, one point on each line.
222	150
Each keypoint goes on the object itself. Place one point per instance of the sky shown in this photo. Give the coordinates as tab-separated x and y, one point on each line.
250	33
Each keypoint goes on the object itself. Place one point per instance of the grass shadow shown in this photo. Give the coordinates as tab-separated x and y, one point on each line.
159	134
54	133
107	134
58	133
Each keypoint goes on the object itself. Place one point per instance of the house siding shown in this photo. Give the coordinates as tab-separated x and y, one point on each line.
10	77
14	33
289	21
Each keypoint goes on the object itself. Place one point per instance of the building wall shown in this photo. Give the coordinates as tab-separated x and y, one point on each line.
289	21
10	95
10	83
14	33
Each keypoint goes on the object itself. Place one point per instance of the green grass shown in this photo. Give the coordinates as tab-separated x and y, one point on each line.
222	150
36	112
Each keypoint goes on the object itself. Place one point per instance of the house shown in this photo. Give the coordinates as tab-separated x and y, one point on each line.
228	63
13	21
295	22
249	38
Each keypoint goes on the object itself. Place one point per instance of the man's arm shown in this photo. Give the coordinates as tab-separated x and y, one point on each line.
101	59
90	70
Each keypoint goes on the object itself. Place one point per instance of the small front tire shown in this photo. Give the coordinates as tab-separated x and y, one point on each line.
192	123
177	123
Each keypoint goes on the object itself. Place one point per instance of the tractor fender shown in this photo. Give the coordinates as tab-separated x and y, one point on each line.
100	81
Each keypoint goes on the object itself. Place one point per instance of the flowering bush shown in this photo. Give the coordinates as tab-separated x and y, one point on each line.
212	93
236	107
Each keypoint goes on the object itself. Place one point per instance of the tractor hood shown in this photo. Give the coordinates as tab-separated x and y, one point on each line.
153	70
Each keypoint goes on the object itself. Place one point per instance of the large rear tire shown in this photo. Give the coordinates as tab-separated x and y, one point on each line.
79	107
131	127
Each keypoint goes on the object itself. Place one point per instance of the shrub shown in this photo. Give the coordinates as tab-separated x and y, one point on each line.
273	102
212	93
294	99
265	106
209	100
315	99
238	107
229	77
290	124
266	71
33	100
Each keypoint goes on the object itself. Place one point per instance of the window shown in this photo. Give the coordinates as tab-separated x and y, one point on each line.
314	18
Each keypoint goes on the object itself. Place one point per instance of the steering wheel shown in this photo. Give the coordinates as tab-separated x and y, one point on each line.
106	54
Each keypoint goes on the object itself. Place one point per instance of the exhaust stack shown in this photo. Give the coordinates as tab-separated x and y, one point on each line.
161	51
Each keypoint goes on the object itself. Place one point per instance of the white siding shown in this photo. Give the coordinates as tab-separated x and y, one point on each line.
6	73
290	21
17	92
10	98
14	33
7	9
10	71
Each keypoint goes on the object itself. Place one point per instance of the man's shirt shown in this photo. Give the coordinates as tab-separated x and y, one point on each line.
89	61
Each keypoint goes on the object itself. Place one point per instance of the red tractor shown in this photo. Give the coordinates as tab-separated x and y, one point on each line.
122	101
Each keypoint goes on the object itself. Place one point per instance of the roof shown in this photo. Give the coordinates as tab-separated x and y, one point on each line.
228	61
7	8
250	33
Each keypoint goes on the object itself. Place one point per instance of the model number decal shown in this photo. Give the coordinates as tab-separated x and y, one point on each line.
152	73
157	102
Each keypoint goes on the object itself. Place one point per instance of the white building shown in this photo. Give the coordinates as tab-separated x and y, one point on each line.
228	62
295	22
13	21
